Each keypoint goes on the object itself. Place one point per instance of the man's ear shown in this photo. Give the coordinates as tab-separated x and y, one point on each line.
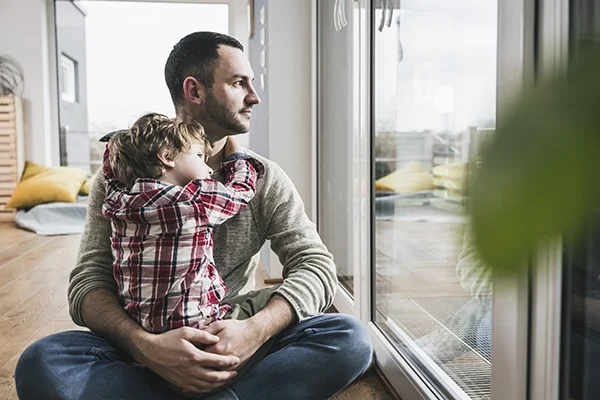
193	91
165	161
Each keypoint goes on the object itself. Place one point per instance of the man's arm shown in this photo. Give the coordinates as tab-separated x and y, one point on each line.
310	278
94	260
277	315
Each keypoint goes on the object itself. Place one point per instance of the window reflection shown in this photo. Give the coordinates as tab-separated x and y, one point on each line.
434	104
581	262
582	318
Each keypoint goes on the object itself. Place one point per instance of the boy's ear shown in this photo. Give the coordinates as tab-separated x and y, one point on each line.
165	161
193	91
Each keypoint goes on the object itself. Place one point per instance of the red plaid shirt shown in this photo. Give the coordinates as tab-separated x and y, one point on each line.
162	244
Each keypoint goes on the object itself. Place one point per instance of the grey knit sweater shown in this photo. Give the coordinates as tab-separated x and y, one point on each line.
276	213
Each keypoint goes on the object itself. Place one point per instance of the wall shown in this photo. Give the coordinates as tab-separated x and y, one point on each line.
24	36
282	125
259	136
289	80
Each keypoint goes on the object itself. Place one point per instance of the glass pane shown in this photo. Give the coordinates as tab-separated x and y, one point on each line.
337	88
119	56
434	104
581	290
581	353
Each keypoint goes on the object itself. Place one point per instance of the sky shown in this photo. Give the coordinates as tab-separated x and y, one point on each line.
127	46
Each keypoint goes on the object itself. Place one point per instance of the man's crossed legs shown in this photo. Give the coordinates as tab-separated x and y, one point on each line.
311	360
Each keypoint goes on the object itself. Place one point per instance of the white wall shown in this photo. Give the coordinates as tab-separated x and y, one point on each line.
24	36
289	81
283	126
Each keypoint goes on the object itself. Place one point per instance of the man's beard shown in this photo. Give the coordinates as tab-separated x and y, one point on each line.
223	117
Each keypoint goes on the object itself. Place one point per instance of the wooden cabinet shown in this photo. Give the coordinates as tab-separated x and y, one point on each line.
12	154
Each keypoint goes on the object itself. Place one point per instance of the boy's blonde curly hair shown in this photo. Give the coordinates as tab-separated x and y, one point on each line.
134	153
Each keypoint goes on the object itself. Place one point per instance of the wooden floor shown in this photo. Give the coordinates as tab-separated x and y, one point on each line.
34	274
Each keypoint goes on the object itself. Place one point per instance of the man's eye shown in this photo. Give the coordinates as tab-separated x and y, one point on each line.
237	83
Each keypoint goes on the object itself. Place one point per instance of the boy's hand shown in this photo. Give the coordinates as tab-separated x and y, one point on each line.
232	146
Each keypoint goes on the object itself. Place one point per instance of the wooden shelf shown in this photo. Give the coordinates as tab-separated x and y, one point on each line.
12	155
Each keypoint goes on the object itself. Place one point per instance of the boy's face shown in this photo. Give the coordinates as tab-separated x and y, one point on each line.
191	165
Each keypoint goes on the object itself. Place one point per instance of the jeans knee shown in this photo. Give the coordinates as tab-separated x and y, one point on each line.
355	343
28	381
39	368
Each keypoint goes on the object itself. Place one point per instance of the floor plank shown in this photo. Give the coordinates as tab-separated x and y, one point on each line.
369	387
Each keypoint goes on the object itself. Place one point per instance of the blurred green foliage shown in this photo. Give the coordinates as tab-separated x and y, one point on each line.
540	174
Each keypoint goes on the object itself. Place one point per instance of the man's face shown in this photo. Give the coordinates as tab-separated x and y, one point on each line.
229	102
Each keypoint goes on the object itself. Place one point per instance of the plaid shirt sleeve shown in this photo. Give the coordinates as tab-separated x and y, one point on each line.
106	169
222	201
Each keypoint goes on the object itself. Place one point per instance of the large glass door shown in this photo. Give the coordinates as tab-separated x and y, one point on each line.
434	103
580	355
408	90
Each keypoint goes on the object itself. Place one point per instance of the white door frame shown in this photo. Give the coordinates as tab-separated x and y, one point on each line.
511	296
546	318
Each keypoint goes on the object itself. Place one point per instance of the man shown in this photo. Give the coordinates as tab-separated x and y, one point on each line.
312	356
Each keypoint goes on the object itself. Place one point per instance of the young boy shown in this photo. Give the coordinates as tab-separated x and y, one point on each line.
163	207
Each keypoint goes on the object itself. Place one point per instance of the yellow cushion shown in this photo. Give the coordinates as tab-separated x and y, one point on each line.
456	171
87	185
40	184
408	179
32	169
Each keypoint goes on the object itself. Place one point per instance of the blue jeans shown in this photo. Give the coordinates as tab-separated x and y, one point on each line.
310	360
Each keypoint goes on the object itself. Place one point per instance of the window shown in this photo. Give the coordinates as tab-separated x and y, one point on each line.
434	101
111	52
68	79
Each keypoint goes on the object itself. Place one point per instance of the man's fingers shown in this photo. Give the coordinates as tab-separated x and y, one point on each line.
217	360
210	380
219	376
214	328
199	336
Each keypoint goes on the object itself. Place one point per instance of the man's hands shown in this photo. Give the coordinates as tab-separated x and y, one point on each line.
174	356
242	338
226	346
232	146
236	338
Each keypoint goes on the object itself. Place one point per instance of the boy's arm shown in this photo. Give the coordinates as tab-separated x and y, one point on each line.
222	201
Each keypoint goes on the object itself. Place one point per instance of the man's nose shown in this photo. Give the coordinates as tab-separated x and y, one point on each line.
252	98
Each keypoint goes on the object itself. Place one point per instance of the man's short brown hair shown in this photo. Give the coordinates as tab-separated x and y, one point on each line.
134	152
195	55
